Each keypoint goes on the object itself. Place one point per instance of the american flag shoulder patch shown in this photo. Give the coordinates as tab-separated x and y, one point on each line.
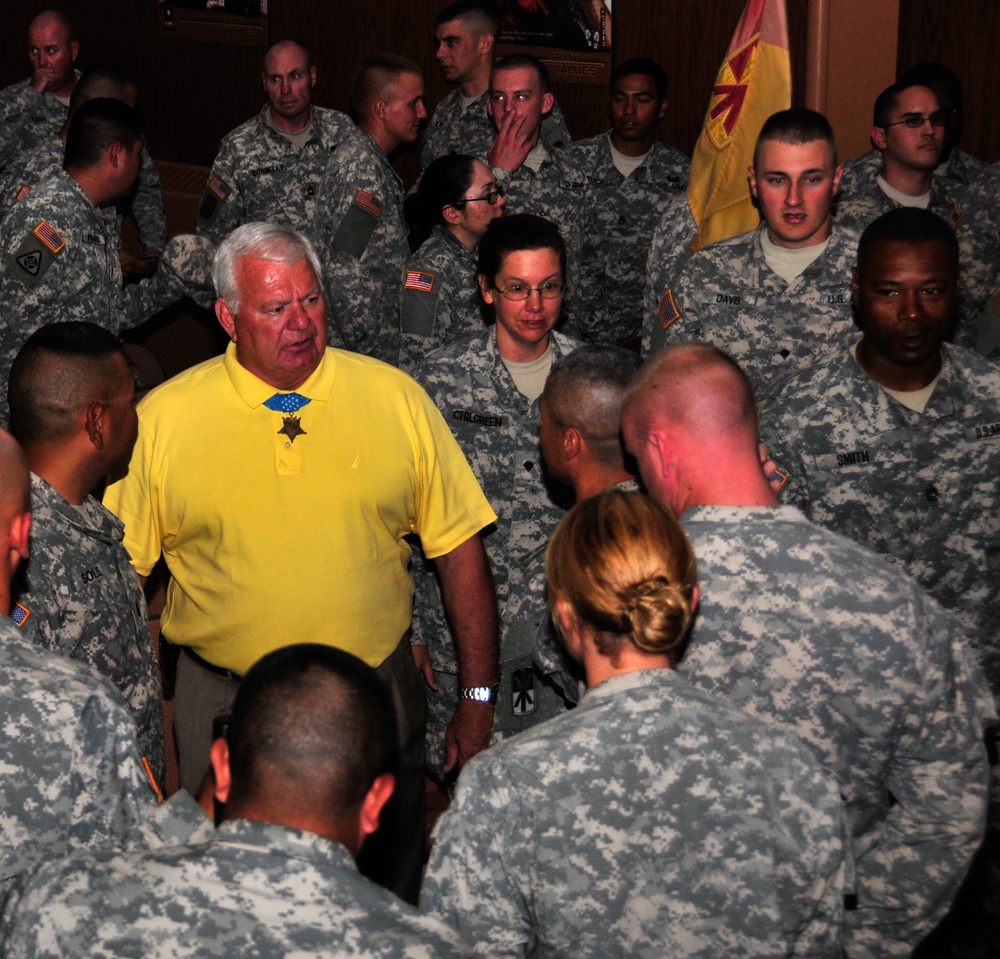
219	187
370	202
22	193
50	237
20	614
415	280
668	309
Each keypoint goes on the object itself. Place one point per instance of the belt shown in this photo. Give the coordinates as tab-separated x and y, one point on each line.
211	667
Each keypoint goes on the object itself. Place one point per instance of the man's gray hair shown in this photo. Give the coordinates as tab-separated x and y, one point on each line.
258	241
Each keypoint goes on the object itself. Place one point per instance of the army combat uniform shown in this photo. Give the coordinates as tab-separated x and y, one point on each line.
440	300
259	174
255	888
469	129
558	191
921	489
362	243
72	777
979	244
962	168
25	112
79	595
622	215
728	296
807	630
497	428
652	820
669	249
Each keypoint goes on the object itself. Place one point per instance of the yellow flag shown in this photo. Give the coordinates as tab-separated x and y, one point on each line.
754	81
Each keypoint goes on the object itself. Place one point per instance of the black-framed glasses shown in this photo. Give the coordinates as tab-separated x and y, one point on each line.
519	292
491	198
914	121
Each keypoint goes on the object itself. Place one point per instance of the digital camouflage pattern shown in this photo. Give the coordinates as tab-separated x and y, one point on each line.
623	213
59	260
258	174
70	774
39	155
806	630
24	112
923	490
255	889
670	248
962	168
728	296
454	129
497	428
979	244
558	191
362	244
80	596
440	301
652	820
867	202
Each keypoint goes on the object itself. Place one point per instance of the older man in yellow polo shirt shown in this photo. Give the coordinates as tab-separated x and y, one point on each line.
279	481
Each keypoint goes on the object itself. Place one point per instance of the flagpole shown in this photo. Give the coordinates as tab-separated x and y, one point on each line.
818	55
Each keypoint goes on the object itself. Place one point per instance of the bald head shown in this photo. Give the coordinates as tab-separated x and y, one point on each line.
690	420
284	48
696	388
53	20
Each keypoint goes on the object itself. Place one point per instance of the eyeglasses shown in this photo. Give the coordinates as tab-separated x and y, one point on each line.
519	292
490	198
915	121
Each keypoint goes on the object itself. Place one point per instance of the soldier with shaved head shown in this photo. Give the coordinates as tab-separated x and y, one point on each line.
805	629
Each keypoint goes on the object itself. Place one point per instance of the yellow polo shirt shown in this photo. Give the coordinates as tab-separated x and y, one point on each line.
282	528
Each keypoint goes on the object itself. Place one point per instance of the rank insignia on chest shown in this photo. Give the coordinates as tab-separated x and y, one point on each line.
20	614
50	237
291	427
522	690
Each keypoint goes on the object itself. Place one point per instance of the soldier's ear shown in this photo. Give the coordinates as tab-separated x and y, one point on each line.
878	137
226	318
373	803
572	442
548	102
17	534
485	288
219	756
93	423
451	214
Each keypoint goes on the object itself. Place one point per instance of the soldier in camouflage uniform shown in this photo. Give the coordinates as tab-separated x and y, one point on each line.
359	224
910	155
59	245
654	819
898	445
465	37
487	388
440	302
41	157
71	776
304	771
271	167
979	245
805	629
955	166
674	240
535	179
633	177
777	298
78	594
40	101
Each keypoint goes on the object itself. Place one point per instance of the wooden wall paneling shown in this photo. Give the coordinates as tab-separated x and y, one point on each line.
964	35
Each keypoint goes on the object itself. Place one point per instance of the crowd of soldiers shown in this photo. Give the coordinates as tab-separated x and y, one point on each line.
741	698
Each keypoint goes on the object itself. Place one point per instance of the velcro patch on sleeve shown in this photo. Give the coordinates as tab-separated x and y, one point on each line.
22	193
668	311
20	614
219	187
50	236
